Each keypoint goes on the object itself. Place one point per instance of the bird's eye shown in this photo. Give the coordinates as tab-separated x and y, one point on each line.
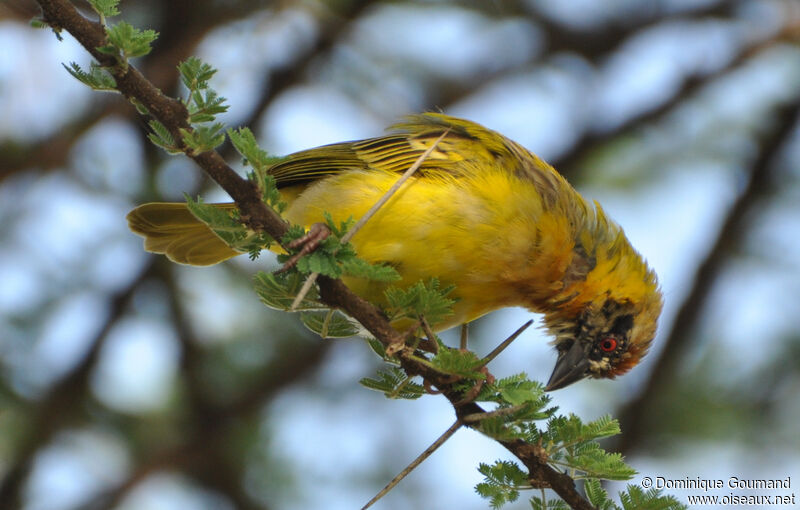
608	344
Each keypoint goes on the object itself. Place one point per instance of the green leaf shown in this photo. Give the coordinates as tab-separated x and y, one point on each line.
360	268
245	143
422	298
571	444
228	227
327	258
163	138
204	107
329	324
278	291
518	389
269	191
499	428
40	23
458	362
572	430
605	426
203	138
195	73
105	8
597	463
597	496
142	109
254	244
320	261
502	482
110	49
130	41
97	78
379	349
634	498
395	384
219	220
550	504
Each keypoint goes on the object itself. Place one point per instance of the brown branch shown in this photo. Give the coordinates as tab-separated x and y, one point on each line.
172	113
205	453
647	407
595	45
570	163
62	403
200	451
282	79
183	25
51	152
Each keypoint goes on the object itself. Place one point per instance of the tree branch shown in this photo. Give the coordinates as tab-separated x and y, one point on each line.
62	402
590	141
329	33
639	412
172	113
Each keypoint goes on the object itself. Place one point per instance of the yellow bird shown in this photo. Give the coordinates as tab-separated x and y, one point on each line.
482	213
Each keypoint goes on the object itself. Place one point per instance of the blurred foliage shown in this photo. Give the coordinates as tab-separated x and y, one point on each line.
129	382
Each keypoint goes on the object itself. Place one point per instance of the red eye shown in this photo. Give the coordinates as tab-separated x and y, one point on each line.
608	344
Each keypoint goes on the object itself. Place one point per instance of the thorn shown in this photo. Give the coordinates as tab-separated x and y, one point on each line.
303	291
473	392
505	343
416	462
429	388
430	334
386	196
478	417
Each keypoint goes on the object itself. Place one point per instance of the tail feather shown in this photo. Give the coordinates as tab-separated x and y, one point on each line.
170	229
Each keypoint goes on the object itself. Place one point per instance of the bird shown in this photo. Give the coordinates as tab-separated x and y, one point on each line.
481	213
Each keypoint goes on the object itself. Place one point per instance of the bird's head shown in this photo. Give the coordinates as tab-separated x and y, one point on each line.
604	321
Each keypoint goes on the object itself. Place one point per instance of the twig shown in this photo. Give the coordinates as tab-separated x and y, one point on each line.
386	196
416	462
369	214
431	335
312	278
462	343
505	343
479	417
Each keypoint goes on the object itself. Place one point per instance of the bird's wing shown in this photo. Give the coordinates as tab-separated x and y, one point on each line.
468	148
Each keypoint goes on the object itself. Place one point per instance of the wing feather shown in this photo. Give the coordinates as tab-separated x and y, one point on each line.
467	148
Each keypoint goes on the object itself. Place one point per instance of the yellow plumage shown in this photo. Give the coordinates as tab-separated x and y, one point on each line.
482	213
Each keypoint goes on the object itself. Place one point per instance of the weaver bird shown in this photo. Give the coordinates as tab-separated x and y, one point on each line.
482	213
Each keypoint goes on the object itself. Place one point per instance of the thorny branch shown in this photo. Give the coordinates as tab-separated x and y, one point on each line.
172	113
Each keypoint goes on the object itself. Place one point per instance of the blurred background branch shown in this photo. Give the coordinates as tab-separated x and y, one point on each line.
128	382
640	413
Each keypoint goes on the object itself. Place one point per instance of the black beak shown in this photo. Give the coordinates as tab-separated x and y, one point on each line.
572	366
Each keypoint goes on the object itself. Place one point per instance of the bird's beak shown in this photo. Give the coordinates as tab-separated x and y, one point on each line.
572	366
